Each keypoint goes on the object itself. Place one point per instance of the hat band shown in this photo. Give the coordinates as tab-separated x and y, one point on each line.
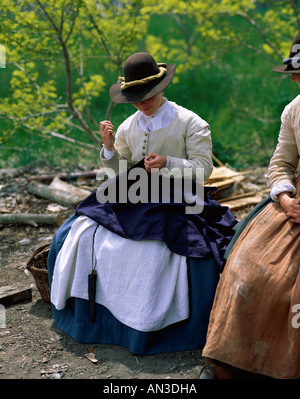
291	60
126	85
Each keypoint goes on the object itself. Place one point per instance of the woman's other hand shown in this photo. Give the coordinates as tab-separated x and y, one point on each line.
155	161
107	135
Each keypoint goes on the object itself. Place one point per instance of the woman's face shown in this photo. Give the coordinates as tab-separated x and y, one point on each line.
295	77
150	106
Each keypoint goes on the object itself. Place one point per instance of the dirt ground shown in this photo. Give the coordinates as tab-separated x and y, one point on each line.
31	346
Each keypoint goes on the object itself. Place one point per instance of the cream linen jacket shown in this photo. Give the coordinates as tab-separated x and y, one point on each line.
284	162
186	141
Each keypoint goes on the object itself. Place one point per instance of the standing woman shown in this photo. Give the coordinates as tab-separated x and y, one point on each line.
142	275
254	324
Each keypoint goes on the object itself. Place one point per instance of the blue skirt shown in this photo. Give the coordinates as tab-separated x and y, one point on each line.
202	238
188	334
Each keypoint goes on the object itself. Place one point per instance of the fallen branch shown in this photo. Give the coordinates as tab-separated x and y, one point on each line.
60	185
61	197
30	219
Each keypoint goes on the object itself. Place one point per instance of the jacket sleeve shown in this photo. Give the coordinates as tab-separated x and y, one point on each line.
284	161
198	145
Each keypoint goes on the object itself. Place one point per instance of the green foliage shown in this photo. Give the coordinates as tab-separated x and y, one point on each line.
62	56
224	52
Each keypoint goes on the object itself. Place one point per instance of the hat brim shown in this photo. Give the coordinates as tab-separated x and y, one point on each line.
142	92
283	69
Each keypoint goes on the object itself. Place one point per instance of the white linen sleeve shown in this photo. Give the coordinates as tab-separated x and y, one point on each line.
281	188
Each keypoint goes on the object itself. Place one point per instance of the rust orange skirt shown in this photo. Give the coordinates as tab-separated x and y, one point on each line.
254	323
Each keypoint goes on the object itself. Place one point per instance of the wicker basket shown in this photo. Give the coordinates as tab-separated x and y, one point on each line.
37	265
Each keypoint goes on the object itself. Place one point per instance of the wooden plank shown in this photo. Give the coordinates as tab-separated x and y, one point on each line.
241	203
12	294
242	195
237	196
221	184
223	173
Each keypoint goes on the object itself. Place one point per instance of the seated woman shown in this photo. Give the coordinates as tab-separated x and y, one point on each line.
254	327
142	274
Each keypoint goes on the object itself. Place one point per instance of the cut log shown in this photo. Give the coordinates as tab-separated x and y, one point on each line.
59	196
69	188
12	294
30	219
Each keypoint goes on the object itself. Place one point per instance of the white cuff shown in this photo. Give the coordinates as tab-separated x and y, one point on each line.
280	189
168	164
108	154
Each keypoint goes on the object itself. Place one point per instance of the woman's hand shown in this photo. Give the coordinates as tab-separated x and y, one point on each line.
107	135
155	161
291	205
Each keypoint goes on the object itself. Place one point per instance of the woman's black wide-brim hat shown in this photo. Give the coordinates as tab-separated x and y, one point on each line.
291	64
143	79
